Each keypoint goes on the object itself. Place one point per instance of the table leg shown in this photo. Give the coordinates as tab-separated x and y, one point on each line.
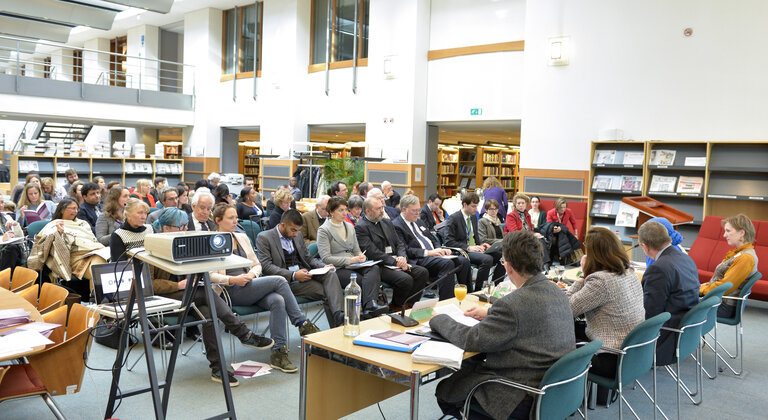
303	381
415	385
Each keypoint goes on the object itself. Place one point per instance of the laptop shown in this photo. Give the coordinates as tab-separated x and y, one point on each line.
112	288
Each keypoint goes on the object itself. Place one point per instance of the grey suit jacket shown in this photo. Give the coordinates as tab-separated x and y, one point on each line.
270	253
333	249
524	333
310	227
105	225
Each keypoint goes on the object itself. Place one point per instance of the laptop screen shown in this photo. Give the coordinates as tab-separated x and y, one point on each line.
112	281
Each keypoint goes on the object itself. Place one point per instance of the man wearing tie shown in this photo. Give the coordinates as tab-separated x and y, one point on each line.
431	214
202	203
423	249
462	233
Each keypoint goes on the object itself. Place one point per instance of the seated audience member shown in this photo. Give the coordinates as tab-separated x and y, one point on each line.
16	191
563	215
313	220
271	201
221	194
671	285
56	193
492	190
391	197
202	204
202	184
249	204
183	200
63	244
294	190
160	184
363	189
338	189
172	286
610	295
170	198
89	209
739	263
213	181
248	182
131	233
538	217
390	213
378	239
71	175
423	249
518	218
142	192
111	184
355	188
355	209
113	216
432	213
337	245
282	252
247	287
76	192
675	236
282	203
462	233
519	337
489	226
32	199
11	254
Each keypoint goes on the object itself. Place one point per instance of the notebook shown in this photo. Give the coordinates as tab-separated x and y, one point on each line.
112	288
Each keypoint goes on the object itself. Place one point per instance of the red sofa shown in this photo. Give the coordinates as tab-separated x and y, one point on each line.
579	209
709	249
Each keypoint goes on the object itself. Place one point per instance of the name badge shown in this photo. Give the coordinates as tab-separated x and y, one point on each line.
294	268
388	250
423	229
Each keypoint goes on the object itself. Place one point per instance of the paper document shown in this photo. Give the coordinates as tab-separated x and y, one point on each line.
321	271
15	343
438	353
456	314
11	241
449	257
364	264
370	339
393	267
251	369
44	328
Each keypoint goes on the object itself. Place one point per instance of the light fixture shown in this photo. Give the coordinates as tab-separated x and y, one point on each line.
559	51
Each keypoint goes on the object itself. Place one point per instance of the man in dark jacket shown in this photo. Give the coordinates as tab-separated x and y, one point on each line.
89	210
432	214
378	239
670	284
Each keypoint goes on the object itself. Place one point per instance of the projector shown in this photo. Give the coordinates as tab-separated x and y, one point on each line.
182	247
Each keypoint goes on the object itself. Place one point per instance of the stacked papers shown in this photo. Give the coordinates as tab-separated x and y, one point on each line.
456	314
11	317
21	342
438	353
44	328
251	369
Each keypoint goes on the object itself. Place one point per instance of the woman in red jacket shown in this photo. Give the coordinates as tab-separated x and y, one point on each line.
518	218
563	215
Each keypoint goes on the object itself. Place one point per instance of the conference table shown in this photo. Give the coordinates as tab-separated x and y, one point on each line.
10	300
339	377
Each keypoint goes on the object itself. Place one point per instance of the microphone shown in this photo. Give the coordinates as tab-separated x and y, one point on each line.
482	297
406	321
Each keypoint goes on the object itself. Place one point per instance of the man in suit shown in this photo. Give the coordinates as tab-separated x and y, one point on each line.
462	233
392	197
423	248
431	214
170	199
390	213
282	252
378	239
670	284
202	203
313	220
519	337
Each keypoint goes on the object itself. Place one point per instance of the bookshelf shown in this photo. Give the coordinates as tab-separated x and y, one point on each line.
502	164
447	171
467	167
250	165
172	150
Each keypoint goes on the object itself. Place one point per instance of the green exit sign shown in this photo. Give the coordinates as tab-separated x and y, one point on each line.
476	111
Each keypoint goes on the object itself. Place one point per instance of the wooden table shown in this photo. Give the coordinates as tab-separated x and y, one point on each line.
10	300
339	378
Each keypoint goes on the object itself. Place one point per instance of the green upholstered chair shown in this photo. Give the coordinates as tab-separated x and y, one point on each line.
736	320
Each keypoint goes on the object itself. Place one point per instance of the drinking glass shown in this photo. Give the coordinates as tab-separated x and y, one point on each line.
560	270
460	290
488	287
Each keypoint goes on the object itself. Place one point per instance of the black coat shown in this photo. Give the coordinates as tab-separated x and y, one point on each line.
456	235
373	242
393	201
413	248
567	244
191	224
426	216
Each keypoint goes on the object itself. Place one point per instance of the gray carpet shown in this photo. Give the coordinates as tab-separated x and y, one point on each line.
276	396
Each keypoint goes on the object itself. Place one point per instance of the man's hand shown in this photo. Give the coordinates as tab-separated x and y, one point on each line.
240	280
9	224
439	212
538	235
476	248
476	312
302	275
358	259
7	236
402	263
439	252
182	284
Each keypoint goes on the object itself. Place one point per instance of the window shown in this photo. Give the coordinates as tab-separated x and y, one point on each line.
342	33
47	68
117	61
77	65
242	26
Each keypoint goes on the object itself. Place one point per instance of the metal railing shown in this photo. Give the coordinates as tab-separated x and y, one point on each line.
19	58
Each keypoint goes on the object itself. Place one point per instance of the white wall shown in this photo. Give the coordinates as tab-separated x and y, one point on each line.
633	69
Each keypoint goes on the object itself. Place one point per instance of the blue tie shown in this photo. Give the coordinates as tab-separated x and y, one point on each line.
421	238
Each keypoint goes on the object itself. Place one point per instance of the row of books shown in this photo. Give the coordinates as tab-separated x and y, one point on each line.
448	168
508	171
491	158
251	161
508	158
446	180
608	157
490	171
468	155
467	169
685	184
450	157
508	183
618	182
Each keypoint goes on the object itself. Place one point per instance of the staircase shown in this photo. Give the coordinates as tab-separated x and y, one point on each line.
50	139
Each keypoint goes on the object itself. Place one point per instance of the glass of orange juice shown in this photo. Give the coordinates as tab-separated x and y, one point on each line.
460	290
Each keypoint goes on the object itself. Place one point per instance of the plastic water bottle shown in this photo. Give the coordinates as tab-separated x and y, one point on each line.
352	297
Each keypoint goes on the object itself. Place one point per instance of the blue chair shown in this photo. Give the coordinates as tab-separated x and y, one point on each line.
689	338
562	389
711	322
158	205
636	356
312	248
251	230
35	227
736	320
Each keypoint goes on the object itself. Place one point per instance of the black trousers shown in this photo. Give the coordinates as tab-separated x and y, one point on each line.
405	284
484	263
368	279
439	267
521	412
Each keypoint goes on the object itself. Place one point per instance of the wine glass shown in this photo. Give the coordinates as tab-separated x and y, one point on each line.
460	290
560	270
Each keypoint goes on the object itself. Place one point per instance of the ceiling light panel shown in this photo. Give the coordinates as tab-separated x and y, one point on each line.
33	29
57	11
160	6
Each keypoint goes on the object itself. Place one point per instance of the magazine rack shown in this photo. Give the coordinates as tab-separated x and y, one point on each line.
650	208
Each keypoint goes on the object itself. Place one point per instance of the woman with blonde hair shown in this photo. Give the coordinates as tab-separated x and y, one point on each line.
283	199
131	233
32	199
518	218
143	187
113	216
50	188
76	192
492	190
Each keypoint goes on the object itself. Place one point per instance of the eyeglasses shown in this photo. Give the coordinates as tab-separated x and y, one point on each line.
502	261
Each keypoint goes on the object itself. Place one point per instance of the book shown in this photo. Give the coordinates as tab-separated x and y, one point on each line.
367	339
663	183
364	264
41	213
603	182
690	184
604	157
633	158
400	338
663	157
631	183
604	207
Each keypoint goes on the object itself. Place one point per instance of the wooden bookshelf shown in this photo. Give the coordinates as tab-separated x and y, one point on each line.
250	165
467	167
447	171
